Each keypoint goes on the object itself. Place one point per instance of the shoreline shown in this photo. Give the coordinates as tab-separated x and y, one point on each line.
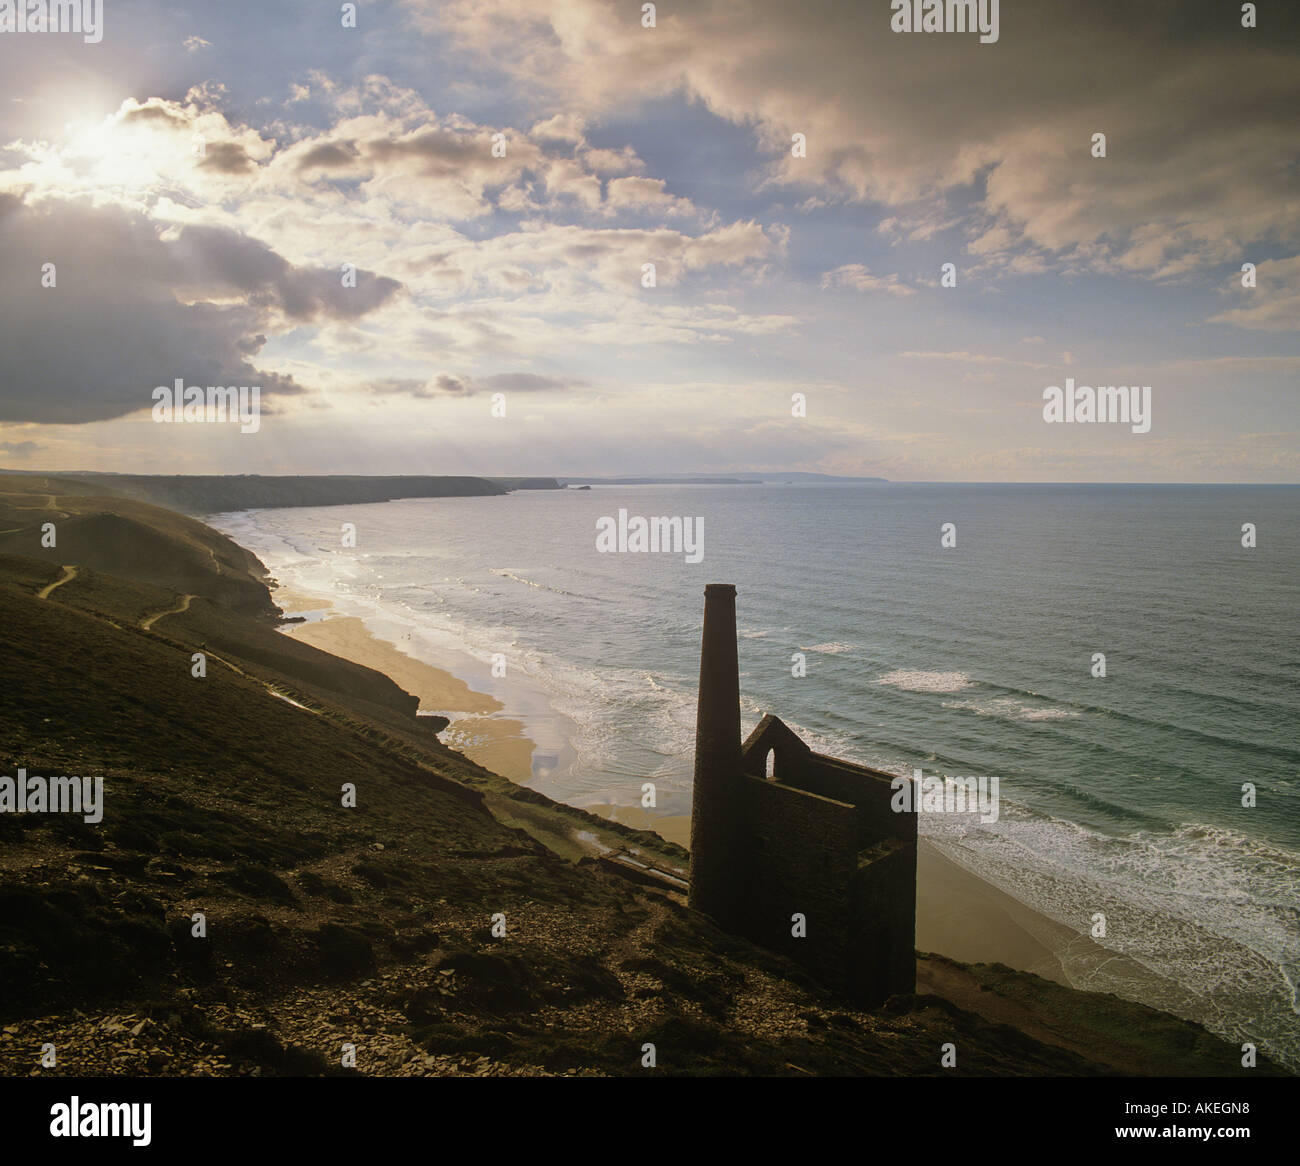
958	914
495	742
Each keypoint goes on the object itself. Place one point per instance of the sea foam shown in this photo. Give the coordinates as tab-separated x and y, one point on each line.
916	680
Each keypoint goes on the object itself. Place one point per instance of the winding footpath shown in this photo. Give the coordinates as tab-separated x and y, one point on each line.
69	573
184	605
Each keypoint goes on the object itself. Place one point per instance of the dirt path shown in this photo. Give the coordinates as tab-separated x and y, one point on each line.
184	605
69	573
52	504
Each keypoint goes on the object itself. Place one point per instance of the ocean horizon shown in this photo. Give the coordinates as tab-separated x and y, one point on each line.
1120	794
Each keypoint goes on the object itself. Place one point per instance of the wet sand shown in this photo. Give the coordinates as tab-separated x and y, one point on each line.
674	827
965	918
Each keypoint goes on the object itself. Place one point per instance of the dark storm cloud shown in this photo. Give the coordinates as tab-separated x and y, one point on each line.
113	327
217	258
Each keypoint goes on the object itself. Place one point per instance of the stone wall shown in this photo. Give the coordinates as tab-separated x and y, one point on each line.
801	857
867	789
884	937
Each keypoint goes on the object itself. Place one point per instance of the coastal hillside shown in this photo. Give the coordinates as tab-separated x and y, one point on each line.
61	520
212	493
290	861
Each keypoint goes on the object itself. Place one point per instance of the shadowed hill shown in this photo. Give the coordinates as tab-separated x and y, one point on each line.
132	540
325	924
133	550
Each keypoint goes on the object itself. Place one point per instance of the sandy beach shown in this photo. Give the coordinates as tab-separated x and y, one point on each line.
497	743
962	916
958	914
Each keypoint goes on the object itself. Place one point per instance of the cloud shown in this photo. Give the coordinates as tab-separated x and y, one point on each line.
134	307
1190	177
453	386
856	276
563	127
226	158
568	260
266	217
151	111
215	259
448	385
644	195
523	274
524	382
974	358
328	156
1273	305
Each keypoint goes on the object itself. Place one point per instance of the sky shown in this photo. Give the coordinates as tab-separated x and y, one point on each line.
496	175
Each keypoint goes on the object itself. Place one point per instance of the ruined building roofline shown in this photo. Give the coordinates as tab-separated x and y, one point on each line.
773	733
770	732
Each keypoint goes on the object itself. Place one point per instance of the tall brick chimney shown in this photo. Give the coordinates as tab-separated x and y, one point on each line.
715	826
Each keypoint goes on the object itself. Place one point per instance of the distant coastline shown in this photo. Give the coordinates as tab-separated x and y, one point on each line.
198	494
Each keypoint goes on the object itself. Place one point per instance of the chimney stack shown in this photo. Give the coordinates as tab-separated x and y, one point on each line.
714	808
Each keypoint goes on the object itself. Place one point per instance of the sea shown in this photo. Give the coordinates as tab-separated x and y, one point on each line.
1115	655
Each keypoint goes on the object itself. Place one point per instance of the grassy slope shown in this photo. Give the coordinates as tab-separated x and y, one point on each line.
129	539
370	925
